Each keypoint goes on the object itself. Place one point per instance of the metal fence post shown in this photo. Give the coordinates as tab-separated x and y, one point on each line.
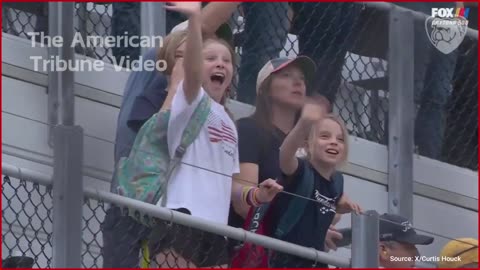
68	147
52	89
153	20
67	196
365	231
401	113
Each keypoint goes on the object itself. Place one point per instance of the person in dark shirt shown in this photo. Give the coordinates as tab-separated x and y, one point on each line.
326	148
281	92
266	30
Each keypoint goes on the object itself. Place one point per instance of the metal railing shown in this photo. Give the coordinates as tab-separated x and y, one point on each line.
26	190
28	231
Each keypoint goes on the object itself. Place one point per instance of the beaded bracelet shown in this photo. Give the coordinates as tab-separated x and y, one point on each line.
249	196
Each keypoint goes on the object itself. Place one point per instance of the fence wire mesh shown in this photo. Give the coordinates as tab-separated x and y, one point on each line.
110	238
91	20
94	19
460	145
126	242
348	42
26	223
113	239
337	37
21	18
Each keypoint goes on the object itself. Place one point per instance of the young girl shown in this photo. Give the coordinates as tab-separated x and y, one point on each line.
281	94
327	148
202	184
144	94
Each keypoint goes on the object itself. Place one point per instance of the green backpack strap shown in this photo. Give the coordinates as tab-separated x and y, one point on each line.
190	133
296	205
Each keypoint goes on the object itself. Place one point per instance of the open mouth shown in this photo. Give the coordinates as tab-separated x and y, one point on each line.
298	93
218	78
332	151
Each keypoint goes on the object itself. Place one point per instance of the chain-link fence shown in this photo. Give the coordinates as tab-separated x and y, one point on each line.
27	237
27	222
460	145
94	20
22	18
91	20
113	239
348	42
337	37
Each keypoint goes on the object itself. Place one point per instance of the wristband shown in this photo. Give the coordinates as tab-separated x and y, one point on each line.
255	200
244	194
252	197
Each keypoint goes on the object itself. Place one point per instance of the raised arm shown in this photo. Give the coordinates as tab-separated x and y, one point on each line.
311	113
294	140
215	14
193	59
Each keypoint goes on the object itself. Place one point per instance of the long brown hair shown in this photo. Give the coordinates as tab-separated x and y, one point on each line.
263	115
263	107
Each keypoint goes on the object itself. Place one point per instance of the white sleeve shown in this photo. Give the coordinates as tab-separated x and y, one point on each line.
180	114
236	165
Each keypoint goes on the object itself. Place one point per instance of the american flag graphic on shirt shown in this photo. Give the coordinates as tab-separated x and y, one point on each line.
219	131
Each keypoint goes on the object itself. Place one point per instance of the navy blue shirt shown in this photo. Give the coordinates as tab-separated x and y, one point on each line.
318	215
143	96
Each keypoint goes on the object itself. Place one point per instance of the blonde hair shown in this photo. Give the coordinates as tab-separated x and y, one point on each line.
170	45
313	135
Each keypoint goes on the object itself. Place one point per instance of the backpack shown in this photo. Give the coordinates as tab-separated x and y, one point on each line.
252	256
145	173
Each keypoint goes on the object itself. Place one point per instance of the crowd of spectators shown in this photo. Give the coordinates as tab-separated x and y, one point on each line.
293	100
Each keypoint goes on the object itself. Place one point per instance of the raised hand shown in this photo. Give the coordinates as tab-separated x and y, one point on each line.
187	8
313	110
268	190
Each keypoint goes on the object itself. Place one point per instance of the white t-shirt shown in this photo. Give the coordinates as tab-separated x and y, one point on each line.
205	193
